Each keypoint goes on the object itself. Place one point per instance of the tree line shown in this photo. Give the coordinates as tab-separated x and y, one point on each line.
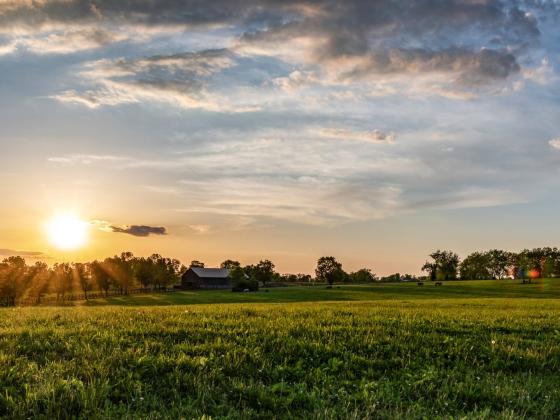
122	273
115	275
494	264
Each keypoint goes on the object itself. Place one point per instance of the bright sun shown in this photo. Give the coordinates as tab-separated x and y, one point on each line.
66	231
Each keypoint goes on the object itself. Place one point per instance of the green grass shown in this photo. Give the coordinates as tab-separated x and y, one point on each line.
457	290
465	350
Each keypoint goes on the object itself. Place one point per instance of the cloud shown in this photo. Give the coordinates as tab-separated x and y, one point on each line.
336	176
555	143
67	42
86	159
373	136
295	80
458	48
5	252
200	229
180	80
134	230
469	197
140	230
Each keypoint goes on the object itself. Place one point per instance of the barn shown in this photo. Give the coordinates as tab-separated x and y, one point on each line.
206	278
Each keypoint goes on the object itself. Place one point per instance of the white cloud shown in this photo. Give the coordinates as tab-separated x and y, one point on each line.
200	229
86	159
555	143
295	80
543	75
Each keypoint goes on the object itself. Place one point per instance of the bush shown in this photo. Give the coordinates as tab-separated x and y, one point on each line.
241	282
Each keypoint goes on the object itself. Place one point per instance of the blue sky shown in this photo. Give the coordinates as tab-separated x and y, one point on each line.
374	131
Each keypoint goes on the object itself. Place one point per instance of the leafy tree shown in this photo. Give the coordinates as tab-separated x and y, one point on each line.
548	269
329	270
101	276
240	281
296	278
431	268
250	271
230	264
82	276
499	263
124	272
144	271
62	280
304	278
444	265
476	267
166	270
196	263
13	279
264	271
392	278
39	275
363	275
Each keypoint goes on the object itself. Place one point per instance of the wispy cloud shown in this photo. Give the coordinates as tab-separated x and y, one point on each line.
180	80
200	229
86	159
372	136
6	252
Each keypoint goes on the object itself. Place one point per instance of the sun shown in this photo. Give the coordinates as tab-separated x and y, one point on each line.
66	231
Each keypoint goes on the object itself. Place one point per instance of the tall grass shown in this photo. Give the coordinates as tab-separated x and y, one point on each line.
484	358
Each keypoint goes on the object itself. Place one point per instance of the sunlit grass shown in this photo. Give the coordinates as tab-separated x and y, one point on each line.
479	355
547	288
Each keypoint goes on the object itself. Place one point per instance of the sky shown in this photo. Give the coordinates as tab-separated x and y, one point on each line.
374	131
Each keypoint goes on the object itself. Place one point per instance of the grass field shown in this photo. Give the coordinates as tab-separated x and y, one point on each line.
467	349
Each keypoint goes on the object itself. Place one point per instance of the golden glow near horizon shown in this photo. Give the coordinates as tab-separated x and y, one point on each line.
67	232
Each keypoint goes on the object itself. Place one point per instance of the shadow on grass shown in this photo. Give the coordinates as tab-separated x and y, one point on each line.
549	289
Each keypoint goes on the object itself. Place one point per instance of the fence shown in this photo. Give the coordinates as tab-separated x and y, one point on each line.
72	297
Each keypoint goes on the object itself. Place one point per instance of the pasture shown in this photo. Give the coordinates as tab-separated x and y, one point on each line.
485	349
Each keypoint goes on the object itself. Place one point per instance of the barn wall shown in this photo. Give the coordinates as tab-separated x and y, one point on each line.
191	281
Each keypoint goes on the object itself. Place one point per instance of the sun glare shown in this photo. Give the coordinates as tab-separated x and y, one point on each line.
66	231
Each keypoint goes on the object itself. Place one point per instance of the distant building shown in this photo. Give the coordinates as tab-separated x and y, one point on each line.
206	278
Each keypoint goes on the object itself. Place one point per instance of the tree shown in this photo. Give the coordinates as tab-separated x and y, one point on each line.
237	277
144	271
476	267
82	276
100	276
166	271
444	265
391	278
296	278
196	263
431	269
250	271
363	275
230	264
62	280
329	270
499	263
39	275
240	281
264	271
13	279
121	271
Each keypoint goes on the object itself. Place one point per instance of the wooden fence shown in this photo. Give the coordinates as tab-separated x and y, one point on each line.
72	297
